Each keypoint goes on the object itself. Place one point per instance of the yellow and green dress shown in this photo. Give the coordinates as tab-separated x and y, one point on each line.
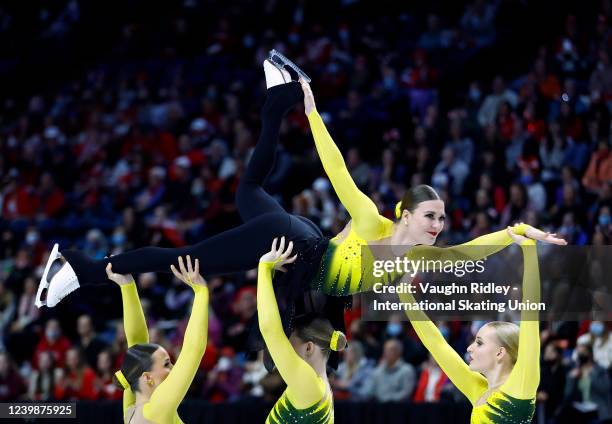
343	269
514	401
164	402
308	398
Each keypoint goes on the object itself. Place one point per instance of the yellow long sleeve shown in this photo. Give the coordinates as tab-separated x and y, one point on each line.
366	221
135	328
525	376
470	383
476	249
304	386
168	395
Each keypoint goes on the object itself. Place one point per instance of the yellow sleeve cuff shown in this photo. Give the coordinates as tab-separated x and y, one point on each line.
520	229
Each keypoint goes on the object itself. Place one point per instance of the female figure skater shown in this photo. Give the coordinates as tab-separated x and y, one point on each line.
420	218
504	369
152	387
302	358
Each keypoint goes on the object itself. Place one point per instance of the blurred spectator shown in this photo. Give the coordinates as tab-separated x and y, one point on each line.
54	341
12	386
88	341
7	311
412	351
587	389
552	381
462	145
273	386
42	380
450	172
359	332
119	345
254	372
393	380
600	341
431	382
243	309
224	380
599	170
490	106
103	383
23	337
353	373
76	379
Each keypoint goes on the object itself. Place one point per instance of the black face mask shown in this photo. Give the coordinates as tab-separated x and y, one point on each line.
583	359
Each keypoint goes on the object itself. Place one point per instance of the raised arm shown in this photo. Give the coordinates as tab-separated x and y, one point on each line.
484	246
168	395
476	249
470	383
303	384
525	376
133	320
366	220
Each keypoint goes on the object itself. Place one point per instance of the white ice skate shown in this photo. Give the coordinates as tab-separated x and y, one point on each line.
275	75
281	61
62	283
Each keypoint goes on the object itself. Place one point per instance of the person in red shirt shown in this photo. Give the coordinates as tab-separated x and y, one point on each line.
75	380
599	170
431	382
103	383
53	341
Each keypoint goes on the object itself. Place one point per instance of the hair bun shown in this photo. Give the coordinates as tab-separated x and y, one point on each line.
398	210
338	341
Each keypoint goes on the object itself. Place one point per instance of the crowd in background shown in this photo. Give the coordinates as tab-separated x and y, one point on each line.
146	147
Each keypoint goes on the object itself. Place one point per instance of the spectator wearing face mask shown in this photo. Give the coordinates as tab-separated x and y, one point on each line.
53	341
599	338
587	392
413	351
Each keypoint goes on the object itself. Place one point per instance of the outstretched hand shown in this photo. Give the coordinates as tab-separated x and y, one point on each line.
118	278
518	239
309	102
190	274
279	256
544	236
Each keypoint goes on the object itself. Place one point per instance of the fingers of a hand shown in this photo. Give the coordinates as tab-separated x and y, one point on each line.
282	245
189	267
109	270
197	267
182	265
287	252
274	243
282	269
291	259
176	273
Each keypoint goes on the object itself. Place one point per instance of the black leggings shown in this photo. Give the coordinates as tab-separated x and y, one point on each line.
240	248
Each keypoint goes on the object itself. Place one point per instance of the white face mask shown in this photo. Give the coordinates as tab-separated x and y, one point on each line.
32	238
